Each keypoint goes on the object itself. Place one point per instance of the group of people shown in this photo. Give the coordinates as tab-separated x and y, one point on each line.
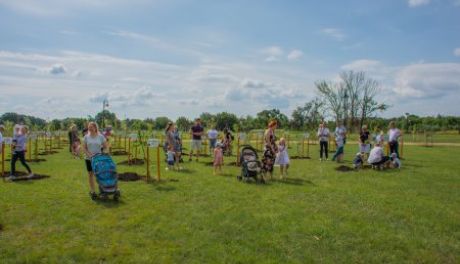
18	149
375	154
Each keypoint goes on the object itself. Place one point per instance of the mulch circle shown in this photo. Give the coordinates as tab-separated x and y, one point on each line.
133	162
36	160
47	153
1	227
299	157
344	168
130	176
119	153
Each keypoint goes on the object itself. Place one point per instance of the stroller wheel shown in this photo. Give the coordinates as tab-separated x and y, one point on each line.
116	196
239	178
104	196
93	196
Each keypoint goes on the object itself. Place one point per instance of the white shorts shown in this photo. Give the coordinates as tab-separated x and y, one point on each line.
196	144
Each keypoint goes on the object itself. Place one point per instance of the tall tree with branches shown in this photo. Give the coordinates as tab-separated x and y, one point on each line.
333	95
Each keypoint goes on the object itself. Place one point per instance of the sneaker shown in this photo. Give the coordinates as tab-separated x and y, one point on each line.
167	168
11	178
30	176
320	159
93	195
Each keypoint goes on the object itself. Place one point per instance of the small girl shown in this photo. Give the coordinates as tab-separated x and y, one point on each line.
395	162
358	160
218	158
282	158
170	159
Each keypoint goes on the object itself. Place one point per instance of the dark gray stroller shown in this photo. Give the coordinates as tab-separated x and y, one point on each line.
250	164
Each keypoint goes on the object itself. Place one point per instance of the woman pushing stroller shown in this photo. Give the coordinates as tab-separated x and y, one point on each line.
93	144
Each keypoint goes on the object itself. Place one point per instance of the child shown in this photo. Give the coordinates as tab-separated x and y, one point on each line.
358	161
395	162
218	158
282	158
170	158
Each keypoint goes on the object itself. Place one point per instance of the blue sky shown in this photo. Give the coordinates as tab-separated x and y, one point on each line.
182	58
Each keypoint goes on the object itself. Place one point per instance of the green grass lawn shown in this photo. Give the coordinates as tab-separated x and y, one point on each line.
317	215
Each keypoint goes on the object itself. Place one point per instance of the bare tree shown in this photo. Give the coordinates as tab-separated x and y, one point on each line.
353	83
368	104
333	94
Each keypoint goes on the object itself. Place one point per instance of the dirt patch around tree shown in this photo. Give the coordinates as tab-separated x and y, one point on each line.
344	168
299	157
132	162
130	176
119	153
44	153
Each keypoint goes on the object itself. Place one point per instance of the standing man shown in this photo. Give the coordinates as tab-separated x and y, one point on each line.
196	131
212	136
323	137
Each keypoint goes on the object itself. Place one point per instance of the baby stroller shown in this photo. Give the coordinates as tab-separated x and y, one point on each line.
106	176
250	165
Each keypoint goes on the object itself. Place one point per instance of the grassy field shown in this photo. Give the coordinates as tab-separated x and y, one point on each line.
317	215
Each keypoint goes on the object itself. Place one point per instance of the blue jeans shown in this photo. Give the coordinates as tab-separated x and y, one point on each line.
212	143
338	152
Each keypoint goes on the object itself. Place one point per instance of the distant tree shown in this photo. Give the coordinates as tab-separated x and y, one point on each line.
55	125
138	124
308	116
183	123
161	122
208	119
264	117
247	123
226	120
105	118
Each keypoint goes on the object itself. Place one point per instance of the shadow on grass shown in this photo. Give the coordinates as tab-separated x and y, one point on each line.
293	181
110	203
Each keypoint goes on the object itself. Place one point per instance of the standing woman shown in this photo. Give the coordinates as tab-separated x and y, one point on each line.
172	142
393	136
19	150
93	143
323	137
270	149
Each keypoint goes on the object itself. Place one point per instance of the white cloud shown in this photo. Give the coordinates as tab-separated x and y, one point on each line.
362	65
415	3
272	53
294	55
457	52
137	88
334	33
428	80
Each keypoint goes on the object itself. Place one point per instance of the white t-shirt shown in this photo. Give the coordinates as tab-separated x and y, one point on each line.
94	144
376	155
212	134
340	132
393	134
323	134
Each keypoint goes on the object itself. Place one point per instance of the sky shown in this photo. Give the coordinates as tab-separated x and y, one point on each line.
182	57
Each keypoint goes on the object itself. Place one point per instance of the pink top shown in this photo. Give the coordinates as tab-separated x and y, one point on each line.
218	157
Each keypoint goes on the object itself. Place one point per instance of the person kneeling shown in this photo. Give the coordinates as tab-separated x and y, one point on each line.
377	158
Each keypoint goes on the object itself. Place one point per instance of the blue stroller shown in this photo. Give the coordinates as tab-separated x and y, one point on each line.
106	176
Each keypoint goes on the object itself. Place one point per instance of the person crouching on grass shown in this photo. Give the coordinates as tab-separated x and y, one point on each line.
218	159
19	150
282	158
93	144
